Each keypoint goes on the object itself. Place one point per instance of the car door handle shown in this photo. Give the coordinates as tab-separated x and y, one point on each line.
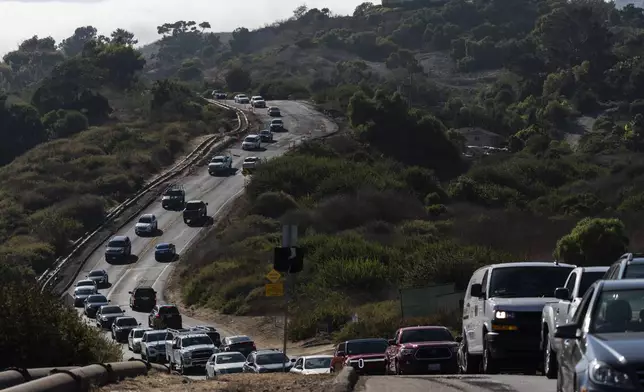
557	311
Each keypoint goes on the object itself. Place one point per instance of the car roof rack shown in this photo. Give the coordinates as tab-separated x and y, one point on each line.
173	187
631	256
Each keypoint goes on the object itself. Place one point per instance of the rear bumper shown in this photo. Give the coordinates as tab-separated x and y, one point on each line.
507	345
115	256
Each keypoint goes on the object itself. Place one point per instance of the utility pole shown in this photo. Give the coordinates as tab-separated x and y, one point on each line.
289	240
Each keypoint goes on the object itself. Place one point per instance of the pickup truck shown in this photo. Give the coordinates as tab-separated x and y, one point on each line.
195	211
190	350
560	312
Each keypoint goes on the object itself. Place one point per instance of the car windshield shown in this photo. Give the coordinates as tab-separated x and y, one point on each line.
85	283
634	271
367	347
619	311
278	122
155	337
267	359
426	335
587	279
239	339
527	282
85	291
168	310
128	322
218	159
163	246
193	206
250	159
96	273
111	310
230	358
265	132
251	139
195	340
116	244
174	193
318	363
96	299
145	219
139	333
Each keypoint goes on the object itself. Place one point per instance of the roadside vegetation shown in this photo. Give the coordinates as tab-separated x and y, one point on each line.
392	202
82	130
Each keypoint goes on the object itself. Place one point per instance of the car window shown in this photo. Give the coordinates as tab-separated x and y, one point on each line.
618	311
138	333
116	244
195	341
583	306
587	279
426	335
266	359
143	292
634	271
218	159
317	363
96	298
111	309
146	219
367	347
85	290
168	310
570	283
155	336
527	282
96	273
230	358
129	322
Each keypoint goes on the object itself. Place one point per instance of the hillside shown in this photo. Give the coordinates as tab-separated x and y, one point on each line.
82	130
397	200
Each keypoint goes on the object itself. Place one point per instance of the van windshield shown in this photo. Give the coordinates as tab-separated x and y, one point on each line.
527	282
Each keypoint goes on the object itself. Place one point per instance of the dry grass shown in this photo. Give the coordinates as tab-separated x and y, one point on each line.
159	382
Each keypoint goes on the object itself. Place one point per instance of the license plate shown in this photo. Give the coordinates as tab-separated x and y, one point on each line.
434	366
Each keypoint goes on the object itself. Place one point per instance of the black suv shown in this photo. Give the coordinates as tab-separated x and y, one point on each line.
165	316
119	248
173	198
628	266
195	211
143	297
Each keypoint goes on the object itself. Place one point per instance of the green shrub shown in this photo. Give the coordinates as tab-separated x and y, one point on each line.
273	204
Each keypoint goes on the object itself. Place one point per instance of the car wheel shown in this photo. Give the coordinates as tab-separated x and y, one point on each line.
549	361
490	365
467	363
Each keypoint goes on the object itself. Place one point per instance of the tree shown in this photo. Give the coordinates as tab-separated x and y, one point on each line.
74	44
63	123
238	79
241	40
204	26
123	37
593	241
20	128
300	11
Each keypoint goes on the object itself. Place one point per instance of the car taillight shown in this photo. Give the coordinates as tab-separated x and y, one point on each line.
158	316
254	347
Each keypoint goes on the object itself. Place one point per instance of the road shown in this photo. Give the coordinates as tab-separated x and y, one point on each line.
457	383
300	121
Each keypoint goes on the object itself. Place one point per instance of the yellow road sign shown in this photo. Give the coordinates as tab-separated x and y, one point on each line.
273	276
275	289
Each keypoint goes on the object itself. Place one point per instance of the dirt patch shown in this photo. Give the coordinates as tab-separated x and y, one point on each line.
159	382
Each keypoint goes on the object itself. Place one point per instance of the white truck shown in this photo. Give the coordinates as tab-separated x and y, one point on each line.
561	311
189	349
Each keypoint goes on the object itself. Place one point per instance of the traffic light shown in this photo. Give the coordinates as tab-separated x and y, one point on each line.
288	259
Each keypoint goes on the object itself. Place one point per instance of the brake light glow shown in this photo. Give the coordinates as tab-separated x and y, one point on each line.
158	315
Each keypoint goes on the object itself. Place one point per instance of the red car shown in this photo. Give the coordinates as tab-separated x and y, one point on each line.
422	350
367	356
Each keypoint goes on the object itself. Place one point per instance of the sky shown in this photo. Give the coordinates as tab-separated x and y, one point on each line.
21	19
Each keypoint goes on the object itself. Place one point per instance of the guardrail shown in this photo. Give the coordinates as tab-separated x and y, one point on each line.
68	379
46	278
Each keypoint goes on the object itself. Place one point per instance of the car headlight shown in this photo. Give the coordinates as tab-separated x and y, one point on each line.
503	315
406	351
604	374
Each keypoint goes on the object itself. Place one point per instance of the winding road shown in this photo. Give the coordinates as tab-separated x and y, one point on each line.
301	122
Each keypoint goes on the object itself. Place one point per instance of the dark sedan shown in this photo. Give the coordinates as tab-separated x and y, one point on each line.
602	348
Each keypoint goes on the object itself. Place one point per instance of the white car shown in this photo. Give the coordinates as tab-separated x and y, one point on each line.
241	98
225	363
153	345
313	364
252	142
134	339
251	163
258	102
147	224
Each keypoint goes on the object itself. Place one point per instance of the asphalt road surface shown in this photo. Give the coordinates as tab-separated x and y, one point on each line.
457	383
301	122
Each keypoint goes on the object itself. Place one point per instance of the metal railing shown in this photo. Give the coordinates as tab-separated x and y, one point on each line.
204	147
69	379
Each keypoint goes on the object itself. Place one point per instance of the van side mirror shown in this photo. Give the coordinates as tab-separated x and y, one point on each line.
392	342
562	293
476	290
458	339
